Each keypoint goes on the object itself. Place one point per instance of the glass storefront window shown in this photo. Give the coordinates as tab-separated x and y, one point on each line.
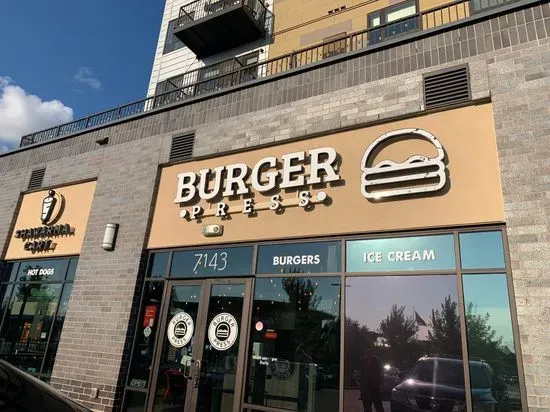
135	401
144	344
491	345
158	265
481	250
402	343
294	359
219	367
42	270
228	262
175	362
434	252
71	271
320	257
33	311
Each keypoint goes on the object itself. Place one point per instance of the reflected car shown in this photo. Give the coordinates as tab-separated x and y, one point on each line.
22	392
391	379
437	384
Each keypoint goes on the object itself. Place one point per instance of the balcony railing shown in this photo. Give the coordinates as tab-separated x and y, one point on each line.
197	83
208	27
201	9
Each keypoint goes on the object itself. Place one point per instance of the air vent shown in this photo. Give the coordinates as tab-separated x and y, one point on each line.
37	177
182	147
447	87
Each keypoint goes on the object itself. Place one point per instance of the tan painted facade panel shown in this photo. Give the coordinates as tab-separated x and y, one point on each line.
473	196
305	23
320	35
74	211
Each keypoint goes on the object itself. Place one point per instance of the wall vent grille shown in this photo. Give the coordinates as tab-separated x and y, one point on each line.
182	147
447	87
37	177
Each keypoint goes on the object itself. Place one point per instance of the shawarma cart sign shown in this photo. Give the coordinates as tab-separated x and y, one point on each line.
385	179
52	222
42	238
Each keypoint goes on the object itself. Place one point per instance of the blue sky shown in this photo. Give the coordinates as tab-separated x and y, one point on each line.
87	55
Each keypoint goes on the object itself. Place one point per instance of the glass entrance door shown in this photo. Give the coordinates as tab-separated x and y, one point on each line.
200	361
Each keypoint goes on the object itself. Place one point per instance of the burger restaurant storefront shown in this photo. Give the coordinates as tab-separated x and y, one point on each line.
367	268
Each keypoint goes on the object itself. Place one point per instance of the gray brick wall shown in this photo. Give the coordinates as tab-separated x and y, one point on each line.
520	87
508	58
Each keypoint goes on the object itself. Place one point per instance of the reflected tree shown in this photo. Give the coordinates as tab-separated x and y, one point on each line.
399	332
301	293
398	329
485	345
444	333
357	337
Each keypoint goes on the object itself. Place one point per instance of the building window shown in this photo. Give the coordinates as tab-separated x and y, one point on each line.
294	359
405	331
172	43
334	45
392	21
35	298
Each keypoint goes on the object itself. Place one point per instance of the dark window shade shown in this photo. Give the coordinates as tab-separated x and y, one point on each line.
171	43
447	87
182	147
37	177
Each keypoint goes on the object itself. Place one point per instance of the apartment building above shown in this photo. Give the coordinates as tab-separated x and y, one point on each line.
378	26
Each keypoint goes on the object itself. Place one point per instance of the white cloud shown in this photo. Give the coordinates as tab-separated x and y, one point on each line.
86	76
22	113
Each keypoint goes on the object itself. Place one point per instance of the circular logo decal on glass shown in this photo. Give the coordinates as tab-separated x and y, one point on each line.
223	331
180	330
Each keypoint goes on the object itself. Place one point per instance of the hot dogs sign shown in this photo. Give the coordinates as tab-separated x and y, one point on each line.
302	171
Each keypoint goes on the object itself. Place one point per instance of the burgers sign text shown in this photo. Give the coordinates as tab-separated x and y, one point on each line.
301	170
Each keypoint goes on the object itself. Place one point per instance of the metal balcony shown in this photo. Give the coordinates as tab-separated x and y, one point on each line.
208	27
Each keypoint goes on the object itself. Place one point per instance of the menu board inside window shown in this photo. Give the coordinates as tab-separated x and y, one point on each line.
319	257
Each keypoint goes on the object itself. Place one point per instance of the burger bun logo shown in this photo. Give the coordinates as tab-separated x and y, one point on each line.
180	330
417	174
223	331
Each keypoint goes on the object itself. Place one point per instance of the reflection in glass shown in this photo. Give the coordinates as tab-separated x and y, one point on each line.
491	339
72	269
295	344
28	323
158	265
56	331
481	250
175	362
397	328
219	367
146	335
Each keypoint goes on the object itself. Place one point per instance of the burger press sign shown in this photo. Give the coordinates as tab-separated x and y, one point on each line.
385	179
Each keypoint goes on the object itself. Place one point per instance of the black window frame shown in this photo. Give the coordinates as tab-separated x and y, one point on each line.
6	282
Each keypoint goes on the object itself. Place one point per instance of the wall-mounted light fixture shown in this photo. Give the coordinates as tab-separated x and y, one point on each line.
109	238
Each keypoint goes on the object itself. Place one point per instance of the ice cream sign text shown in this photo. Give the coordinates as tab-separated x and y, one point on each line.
39	239
268	175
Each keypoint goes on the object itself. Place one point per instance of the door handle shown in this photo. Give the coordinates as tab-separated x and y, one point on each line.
197	378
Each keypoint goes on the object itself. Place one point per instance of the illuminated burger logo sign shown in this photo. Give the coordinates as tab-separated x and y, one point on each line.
39	239
418	174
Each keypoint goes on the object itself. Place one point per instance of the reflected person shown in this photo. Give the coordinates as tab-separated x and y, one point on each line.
371	377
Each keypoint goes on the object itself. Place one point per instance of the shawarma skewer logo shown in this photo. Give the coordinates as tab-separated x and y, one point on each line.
52	206
417	174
